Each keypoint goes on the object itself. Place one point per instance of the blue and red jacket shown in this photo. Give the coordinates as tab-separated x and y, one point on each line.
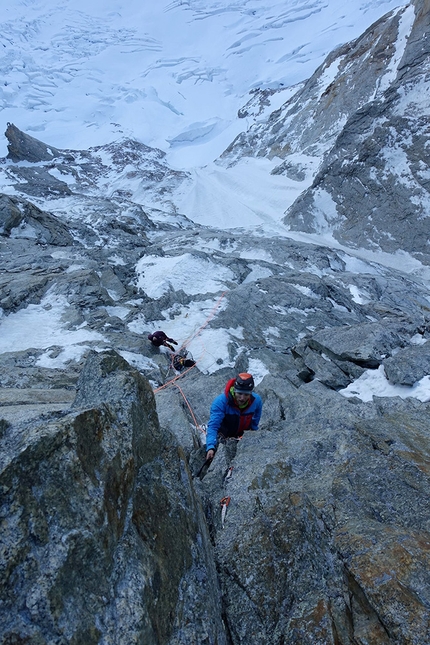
227	419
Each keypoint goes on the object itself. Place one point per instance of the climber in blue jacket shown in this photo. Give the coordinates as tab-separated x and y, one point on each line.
236	410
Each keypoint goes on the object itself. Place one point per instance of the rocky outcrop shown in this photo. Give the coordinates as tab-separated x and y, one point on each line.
325	538
313	117
22	147
114	171
408	365
359	188
109	532
326	533
363	126
103	536
21	218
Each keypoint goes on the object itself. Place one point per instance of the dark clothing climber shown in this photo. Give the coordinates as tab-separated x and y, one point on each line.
159	338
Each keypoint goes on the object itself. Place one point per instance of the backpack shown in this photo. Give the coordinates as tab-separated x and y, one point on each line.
179	362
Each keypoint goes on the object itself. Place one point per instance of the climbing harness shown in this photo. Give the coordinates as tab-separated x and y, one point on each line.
225	440
224	503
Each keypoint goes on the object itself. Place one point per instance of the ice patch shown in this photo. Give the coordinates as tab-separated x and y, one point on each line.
257	272
355	265
52	360
157	275
337	305
271	331
358	295
180	322
258	370
25	231
325	211
142	363
306	291
417	339
40	327
257	254
115	260
119	312
75	267
210	350
405	25
375	383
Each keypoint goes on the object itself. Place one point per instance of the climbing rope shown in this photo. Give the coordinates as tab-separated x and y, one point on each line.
208	319
178	376
188	341
200	427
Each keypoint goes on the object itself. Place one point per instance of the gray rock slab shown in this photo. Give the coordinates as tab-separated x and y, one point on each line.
366	343
408	365
24	396
331	503
102	535
22	405
17	414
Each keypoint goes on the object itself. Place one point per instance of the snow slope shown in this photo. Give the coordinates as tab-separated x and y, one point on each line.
172	74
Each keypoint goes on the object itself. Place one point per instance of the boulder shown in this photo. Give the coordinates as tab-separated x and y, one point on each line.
23	147
408	365
366	344
103	538
20	218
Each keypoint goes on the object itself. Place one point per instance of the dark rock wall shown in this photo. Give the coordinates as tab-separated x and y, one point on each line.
325	540
377	170
364	112
326	537
103	537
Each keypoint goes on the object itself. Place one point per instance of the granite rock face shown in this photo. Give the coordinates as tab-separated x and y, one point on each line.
325	540
108	534
103	536
367	202
326	534
364	112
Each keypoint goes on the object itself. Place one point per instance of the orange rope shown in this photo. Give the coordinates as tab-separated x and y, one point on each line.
196	423
188	341
211	315
178	376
